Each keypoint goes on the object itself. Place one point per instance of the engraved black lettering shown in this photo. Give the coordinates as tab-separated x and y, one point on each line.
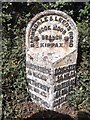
43	94
36	90
56	18
66	25
60	19
29	72
69	28
46	18
51	18
41	44
64	91
63	22
64	31
36	26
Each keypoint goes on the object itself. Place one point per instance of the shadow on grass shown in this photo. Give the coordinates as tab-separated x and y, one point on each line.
82	115
49	115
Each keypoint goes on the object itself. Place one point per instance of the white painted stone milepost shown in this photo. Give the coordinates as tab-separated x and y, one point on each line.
51	55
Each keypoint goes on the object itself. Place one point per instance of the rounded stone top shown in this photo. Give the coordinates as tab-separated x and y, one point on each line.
51	28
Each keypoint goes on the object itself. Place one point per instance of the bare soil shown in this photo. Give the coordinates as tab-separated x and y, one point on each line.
32	111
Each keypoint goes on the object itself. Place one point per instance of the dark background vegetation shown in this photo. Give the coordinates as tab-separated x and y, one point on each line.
15	17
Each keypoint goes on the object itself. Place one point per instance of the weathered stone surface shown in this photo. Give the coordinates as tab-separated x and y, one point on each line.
51	55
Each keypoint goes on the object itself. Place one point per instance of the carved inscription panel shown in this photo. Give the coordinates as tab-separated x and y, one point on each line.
51	28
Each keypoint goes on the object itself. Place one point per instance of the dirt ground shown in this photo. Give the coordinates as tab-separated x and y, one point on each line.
32	111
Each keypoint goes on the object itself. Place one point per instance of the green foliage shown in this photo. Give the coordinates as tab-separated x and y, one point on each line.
13	67
15	17
80	97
